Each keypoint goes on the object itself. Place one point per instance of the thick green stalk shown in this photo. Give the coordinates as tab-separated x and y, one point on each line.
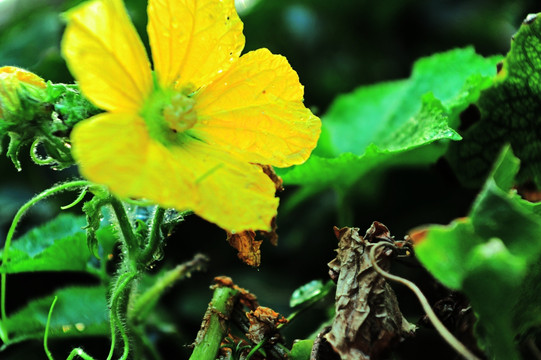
214	326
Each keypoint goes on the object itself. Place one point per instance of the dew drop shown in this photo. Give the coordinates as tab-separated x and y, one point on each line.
530	19
158	255
80	326
66	328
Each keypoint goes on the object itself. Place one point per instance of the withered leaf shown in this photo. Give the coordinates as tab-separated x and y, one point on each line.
263	323
247	247
368	321
245	242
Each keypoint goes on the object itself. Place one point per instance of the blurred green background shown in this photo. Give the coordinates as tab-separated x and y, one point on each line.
335	46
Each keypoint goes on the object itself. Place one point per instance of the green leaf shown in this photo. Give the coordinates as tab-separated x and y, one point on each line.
301	350
428	126
444	249
510	111
79	311
490	256
312	291
405	122
59	245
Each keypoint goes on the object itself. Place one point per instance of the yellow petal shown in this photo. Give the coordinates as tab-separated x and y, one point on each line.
193	41
110	149
233	194
22	75
106	56
115	150
256	108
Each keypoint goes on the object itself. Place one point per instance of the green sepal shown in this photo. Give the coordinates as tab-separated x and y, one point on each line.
93	212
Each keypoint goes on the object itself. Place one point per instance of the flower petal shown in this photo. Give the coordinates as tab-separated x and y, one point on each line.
110	149
106	56
256	108
233	194
115	150
193	41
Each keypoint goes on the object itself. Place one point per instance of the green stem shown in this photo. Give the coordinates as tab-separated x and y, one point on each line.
125	227
79	352
213	327
120	293
76	201
154	237
5	257
255	349
45	346
146	301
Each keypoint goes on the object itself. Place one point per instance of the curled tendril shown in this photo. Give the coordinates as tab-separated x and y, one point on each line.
36	158
76	201
438	325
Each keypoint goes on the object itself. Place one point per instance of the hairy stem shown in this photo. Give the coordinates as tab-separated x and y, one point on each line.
125	227
121	291
154	237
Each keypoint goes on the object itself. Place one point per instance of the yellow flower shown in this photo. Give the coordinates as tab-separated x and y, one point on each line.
188	134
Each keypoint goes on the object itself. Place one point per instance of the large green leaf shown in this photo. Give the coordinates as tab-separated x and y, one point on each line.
509	111
59	245
79	311
406	122
492	256
405	146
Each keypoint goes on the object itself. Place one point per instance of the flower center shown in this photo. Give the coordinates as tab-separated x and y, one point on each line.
179	114
169	115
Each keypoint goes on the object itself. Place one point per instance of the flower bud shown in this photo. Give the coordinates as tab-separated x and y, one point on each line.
17	84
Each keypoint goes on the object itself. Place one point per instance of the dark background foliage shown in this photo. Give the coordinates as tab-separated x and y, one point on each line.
335	46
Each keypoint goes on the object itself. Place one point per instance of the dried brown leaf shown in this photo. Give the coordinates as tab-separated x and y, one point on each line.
247	247
368	321
263	323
